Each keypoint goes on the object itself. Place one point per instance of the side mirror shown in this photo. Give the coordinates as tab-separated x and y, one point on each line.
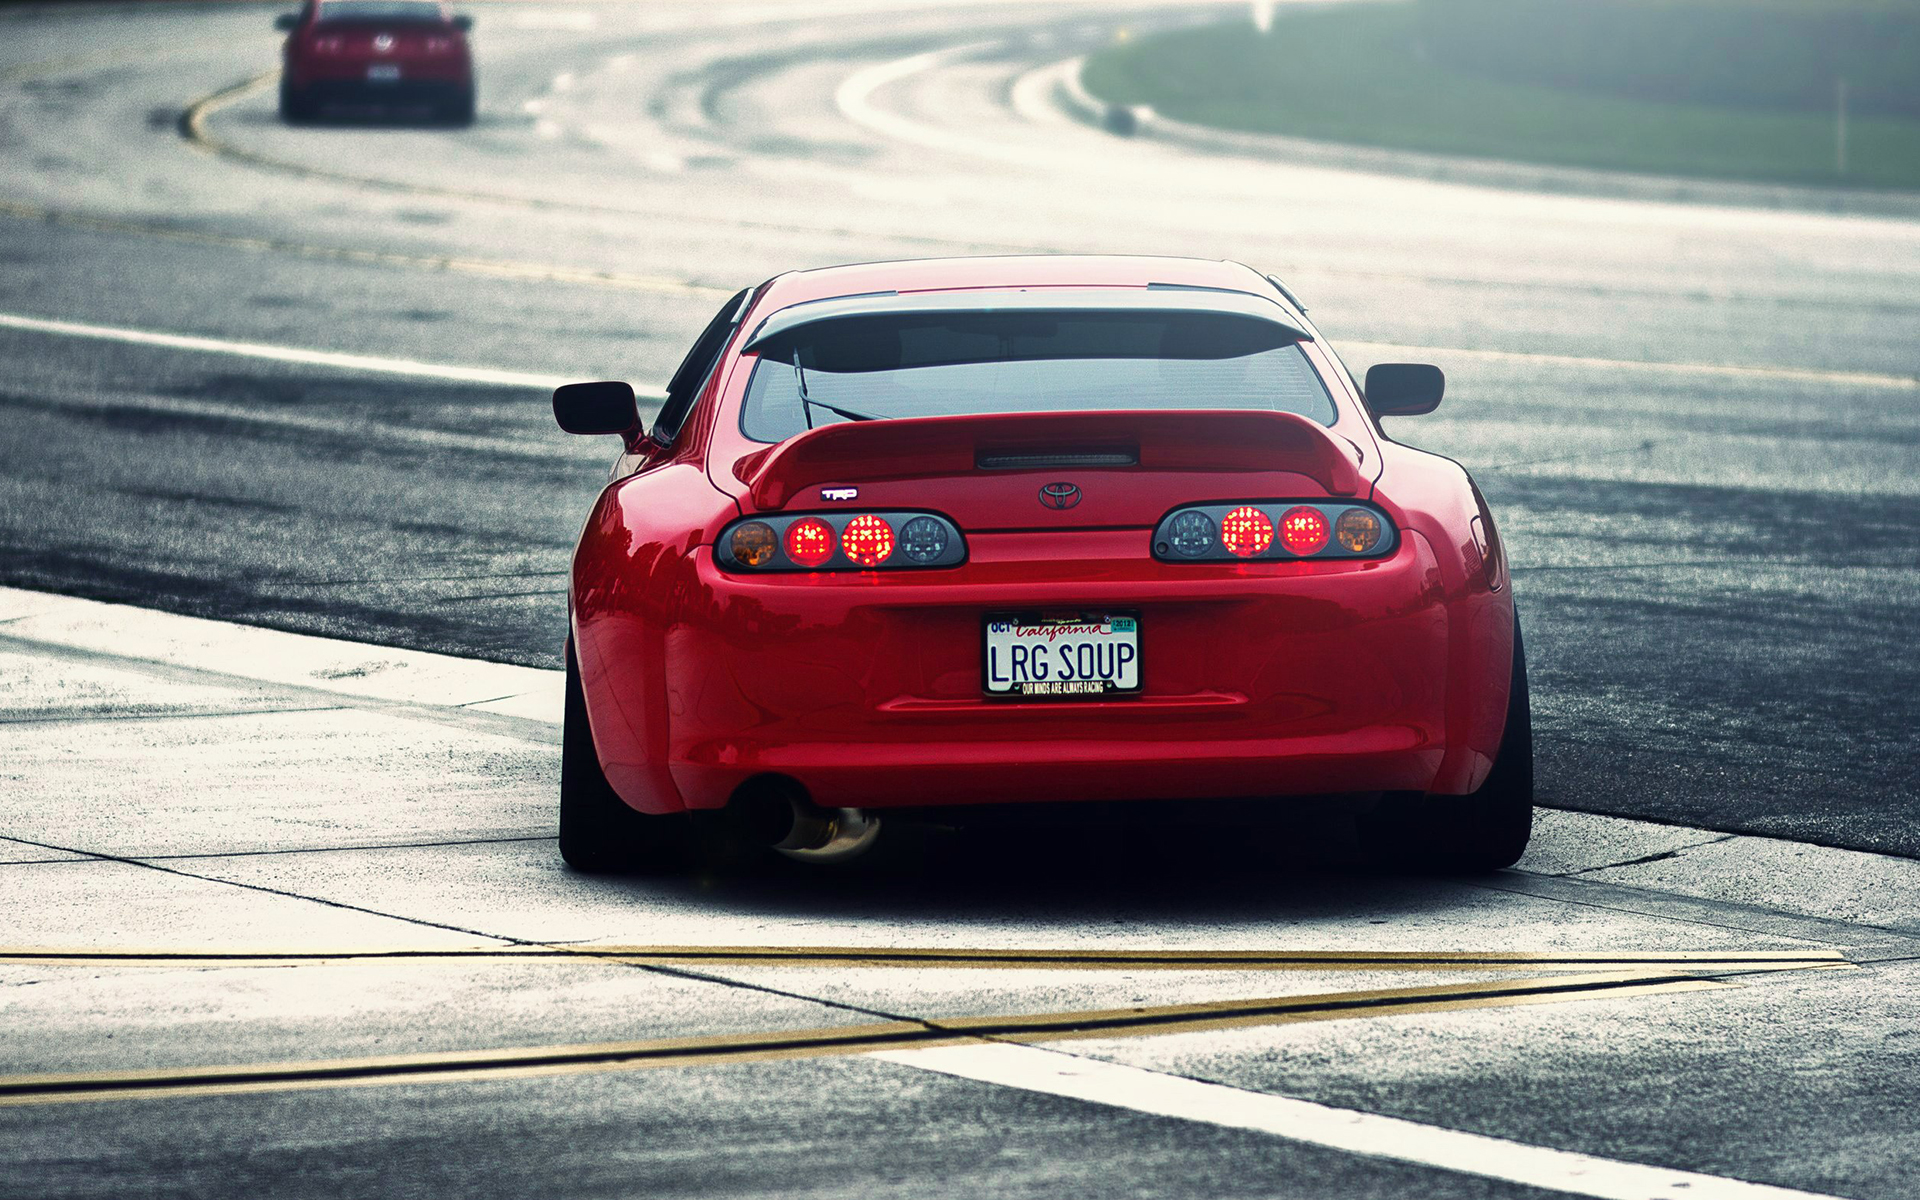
287	22
606	407
1404	389
463	22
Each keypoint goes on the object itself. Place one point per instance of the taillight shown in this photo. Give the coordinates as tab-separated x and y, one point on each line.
1273	531
867	540
753	543
841	542
1246	531
1358	530
810	542
1304	530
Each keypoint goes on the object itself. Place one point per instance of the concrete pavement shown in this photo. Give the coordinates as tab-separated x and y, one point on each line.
180	785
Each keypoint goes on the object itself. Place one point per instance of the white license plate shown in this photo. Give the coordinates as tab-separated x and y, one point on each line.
1096	655
383	73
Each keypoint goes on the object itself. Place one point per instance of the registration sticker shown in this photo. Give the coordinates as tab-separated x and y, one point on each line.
1091	655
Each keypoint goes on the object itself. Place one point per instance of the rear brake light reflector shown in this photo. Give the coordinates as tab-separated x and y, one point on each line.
867	540
1246	531
753	543
923	539
1304	530
1190	535
1357	530
840	541
1273	531
810	542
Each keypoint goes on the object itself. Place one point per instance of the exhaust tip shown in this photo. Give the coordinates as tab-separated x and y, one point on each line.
776	812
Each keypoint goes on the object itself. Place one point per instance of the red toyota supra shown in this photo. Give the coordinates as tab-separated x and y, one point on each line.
972	539
382	53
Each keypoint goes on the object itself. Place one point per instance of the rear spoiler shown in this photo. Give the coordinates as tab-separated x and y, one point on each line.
924	447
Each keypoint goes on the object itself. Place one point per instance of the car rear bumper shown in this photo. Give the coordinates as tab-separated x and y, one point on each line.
1272	680
403	92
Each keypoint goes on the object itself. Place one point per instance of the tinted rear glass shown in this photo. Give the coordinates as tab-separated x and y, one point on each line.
970	363
412	11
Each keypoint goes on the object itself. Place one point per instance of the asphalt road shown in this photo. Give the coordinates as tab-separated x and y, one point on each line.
1696	424
1716	568
383	982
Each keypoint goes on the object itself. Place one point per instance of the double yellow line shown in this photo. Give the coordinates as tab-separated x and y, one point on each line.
950	957
1636	974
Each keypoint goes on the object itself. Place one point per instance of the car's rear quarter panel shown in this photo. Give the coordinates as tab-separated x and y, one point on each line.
633	581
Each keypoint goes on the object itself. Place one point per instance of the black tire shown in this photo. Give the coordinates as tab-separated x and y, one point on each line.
1485	831
599	833
296	106
459	111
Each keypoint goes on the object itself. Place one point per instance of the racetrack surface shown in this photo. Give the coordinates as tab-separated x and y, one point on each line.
285	914
1696	424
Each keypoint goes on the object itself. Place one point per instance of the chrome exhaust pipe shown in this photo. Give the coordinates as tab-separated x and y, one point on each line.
777	813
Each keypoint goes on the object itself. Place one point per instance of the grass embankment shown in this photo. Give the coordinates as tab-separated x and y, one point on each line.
1731	89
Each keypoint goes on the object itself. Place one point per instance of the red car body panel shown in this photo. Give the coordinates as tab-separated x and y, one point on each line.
1267	679
334	55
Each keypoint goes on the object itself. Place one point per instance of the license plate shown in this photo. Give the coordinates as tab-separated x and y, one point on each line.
383	73
1062	658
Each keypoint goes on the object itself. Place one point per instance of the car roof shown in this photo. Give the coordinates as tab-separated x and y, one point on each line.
1012	271
775	333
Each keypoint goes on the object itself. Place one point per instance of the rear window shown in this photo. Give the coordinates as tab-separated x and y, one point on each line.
380	10
954	364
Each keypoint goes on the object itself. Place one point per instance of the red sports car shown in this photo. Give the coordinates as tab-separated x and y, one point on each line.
386	53
1083	537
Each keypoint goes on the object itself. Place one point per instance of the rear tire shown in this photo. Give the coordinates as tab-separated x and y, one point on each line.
1485	831
599	833
459	111
296	107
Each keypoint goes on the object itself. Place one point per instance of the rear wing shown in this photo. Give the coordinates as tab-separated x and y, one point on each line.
1158	439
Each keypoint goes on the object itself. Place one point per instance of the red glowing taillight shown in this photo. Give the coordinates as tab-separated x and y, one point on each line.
1246	531
867	540
1303	530
810	542
893	540
1261	531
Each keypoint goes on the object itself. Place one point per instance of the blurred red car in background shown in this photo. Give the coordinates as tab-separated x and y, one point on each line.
384	53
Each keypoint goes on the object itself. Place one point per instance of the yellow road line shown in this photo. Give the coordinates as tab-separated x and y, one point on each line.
194	129
535	272
193	126
949	957
516	1062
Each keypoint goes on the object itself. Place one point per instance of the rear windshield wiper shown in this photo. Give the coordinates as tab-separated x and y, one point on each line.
808	404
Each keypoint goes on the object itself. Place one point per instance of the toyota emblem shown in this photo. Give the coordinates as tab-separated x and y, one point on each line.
1059	495
382	42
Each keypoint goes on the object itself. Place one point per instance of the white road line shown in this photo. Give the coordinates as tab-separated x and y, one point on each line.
854	100
489	375
1058	1074
286	354
289	354
360	431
